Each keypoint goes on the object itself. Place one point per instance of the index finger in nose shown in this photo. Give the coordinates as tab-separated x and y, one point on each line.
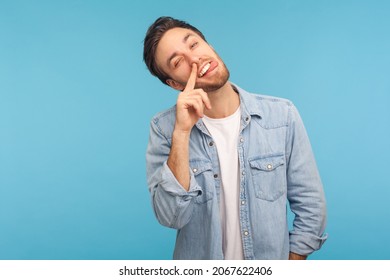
192	79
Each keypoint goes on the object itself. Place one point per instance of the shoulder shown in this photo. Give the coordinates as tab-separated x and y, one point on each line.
273	111
164	121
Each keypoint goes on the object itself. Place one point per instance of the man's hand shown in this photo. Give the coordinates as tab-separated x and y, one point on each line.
189	108
293	256
190	104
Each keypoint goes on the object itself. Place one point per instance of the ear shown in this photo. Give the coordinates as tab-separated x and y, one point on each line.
175	85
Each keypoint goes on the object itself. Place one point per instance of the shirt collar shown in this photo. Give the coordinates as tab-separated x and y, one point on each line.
248	102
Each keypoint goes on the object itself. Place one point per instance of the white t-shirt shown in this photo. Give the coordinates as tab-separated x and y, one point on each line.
225	133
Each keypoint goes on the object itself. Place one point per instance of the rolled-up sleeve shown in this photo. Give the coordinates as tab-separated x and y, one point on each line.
305	190
172	204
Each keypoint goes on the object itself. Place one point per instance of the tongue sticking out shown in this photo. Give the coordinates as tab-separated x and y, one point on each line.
208	68
204	70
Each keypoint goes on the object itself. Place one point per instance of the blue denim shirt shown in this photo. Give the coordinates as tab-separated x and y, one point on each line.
276	167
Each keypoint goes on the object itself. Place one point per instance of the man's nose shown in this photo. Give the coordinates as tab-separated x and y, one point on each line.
194	59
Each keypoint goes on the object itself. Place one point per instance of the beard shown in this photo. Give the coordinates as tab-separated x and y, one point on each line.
218	80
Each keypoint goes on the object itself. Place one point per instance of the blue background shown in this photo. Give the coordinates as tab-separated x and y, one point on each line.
76	101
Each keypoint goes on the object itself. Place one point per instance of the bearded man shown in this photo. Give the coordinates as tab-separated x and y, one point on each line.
223	164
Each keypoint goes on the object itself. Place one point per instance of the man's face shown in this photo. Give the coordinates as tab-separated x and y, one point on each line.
178	49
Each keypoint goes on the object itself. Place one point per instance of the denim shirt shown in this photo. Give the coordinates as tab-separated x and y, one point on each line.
277	166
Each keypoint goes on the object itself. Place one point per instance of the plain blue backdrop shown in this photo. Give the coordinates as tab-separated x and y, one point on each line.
76	101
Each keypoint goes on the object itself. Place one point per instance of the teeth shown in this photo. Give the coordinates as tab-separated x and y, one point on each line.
204	70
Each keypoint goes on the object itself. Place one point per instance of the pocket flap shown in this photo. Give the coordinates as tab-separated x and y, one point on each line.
200	166
267	163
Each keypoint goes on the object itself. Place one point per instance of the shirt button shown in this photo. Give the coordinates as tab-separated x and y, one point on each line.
243	173
247	119
194	170
241	140
242	202
246	233
269	166
215	176
211	144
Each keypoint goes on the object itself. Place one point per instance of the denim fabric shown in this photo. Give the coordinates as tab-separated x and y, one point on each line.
276	167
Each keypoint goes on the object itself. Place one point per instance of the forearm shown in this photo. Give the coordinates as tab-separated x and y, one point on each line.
178	160
172	204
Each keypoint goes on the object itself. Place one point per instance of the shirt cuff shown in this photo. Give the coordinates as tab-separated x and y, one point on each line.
305	243
173	187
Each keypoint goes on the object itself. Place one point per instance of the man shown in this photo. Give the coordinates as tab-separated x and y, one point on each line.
223	163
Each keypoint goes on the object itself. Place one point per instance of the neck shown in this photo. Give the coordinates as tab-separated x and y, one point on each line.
224	102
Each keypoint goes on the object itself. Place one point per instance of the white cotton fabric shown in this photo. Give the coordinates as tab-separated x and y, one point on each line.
225	133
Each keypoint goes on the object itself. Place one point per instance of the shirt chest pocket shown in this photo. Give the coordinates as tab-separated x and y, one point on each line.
203	173
268	176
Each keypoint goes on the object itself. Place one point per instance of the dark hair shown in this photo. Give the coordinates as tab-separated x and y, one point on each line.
153	37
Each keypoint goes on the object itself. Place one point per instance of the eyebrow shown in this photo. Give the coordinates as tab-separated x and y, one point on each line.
185	39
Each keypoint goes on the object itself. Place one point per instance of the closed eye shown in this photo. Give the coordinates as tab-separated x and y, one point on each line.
194	45
176	62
